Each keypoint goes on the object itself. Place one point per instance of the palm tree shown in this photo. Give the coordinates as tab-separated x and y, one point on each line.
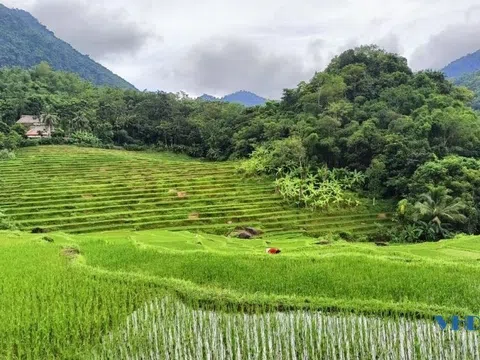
49	120
80	123
437	207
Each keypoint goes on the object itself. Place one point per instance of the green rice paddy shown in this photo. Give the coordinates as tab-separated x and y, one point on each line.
161	295
137	265
79	190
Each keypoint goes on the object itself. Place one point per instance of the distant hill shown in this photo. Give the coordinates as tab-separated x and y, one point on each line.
465	65
207	97
243	97
24	42
472	82
466	72
246	98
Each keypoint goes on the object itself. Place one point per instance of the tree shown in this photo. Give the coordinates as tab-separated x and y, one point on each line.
438	210
49	120
4	128
79	123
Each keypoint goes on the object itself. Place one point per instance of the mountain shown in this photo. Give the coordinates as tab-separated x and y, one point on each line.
25	42
243	97
246	98
466	72
206	97
465	65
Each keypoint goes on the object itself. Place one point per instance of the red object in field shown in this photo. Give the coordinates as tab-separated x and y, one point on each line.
273	251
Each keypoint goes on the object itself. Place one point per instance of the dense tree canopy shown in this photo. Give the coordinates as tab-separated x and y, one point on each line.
367	112
472	82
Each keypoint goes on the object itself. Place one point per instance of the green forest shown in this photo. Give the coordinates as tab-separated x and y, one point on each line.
472	82
367	125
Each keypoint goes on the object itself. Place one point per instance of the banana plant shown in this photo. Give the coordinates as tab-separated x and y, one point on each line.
319	190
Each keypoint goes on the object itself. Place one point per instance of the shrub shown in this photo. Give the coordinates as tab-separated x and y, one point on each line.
29	143
6	223
346	235
381	234
54	141
7	155
4	128
38	230
280	154
135	147
10	141
58	133
83	137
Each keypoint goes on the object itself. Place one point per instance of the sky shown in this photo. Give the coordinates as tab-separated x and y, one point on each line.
221	46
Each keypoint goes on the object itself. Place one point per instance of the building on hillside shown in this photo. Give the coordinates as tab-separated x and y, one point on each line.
35	128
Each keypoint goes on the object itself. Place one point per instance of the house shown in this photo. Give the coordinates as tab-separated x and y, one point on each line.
35	128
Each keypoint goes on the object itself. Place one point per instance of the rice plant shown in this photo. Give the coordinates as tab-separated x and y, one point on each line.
115	296
82	190
168	329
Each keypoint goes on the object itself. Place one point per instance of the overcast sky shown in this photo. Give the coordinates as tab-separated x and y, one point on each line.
221	46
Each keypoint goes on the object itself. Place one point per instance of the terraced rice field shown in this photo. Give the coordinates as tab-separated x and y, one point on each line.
155	294
81	190
166	329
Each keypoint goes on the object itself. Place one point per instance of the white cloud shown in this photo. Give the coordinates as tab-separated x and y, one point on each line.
168	45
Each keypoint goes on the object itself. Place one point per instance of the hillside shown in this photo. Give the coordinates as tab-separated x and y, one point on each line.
465	65
122	190
472	82
243	97
400	134
246	98
25	42
206	97
466	72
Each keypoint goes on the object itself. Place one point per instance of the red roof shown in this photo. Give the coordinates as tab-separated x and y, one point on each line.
32	133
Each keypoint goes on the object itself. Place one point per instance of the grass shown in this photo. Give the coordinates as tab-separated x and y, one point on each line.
82	190
50	310
73	296
432	274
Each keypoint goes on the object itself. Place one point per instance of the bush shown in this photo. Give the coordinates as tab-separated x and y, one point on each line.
135	147
54	141
29	143
48	239
257	164
7	155
4	128
381	234
280	154
10	141
39	230
346	235
59	133
6	223
83	137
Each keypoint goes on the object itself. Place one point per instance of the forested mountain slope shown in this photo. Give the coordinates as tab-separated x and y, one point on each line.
407	133
24	42
465	65
472	82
